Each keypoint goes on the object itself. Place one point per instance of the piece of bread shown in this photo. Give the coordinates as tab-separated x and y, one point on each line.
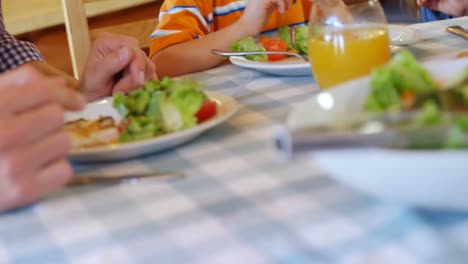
91	133
462	54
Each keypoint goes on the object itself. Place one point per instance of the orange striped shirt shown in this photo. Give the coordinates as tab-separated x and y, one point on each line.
185	20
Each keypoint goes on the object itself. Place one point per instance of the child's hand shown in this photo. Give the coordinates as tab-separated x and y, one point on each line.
258	12
451	7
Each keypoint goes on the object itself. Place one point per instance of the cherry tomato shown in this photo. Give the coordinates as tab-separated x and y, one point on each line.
206	111
408	98
275	44
263	39
123	125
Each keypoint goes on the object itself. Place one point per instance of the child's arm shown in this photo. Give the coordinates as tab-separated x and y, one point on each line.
195	55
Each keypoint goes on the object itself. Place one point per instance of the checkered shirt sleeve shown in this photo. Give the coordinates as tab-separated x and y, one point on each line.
15	52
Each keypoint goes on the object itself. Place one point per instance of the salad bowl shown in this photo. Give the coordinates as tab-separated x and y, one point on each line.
435	179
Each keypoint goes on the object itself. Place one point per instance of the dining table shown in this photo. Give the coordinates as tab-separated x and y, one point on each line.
238	202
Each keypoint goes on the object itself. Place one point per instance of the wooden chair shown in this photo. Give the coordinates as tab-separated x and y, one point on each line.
80	36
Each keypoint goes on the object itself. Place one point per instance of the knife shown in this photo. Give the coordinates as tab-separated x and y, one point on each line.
91	178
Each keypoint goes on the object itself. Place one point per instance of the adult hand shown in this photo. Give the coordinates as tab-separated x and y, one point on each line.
33	145
451	7
258	12
116	64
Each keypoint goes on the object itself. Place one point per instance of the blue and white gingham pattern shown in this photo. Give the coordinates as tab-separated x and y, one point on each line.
14	52
238	204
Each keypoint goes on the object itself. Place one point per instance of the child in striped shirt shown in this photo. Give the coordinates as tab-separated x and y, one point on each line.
189	29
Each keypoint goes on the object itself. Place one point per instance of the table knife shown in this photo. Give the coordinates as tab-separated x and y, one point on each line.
91	178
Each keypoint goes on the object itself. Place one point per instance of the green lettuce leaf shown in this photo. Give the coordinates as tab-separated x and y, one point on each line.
301	36
248	44
180	105
410	74
402	73
159	107
284	33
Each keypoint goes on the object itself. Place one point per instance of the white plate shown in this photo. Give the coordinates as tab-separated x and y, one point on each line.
284	67
403	35
432	179
227	106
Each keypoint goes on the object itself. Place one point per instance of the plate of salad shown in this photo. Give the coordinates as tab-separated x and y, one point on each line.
292	39
158	116
430	175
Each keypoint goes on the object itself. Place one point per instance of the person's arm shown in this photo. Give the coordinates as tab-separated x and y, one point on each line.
450	7
13	52
116	64
195	55
34	97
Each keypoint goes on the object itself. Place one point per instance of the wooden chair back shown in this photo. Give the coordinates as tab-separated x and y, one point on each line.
80	36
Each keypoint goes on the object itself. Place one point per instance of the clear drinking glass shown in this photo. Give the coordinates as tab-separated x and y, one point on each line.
346	40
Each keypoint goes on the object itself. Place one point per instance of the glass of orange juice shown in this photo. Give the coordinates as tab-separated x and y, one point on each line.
346	41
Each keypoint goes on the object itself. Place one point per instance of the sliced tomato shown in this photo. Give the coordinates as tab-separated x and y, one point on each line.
206	111
275	44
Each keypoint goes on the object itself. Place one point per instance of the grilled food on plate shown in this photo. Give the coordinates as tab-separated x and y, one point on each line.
92	133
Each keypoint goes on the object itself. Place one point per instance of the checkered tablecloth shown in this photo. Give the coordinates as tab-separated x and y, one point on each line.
239	204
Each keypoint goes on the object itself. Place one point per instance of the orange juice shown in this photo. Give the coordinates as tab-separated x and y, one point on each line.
343	54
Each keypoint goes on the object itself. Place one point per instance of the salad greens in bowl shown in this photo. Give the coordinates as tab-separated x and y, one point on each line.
427	176
405	85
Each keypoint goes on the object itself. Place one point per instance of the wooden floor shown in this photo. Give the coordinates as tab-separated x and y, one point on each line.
53	42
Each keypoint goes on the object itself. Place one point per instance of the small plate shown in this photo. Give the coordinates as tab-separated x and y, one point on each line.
403	35
227	106
284	67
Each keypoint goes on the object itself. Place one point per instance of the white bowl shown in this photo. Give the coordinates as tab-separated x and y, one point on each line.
436	179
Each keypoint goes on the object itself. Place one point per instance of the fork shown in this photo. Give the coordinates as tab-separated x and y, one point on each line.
458	31
243	53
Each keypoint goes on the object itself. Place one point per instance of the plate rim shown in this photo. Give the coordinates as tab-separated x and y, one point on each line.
397	27
267	66
100	150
